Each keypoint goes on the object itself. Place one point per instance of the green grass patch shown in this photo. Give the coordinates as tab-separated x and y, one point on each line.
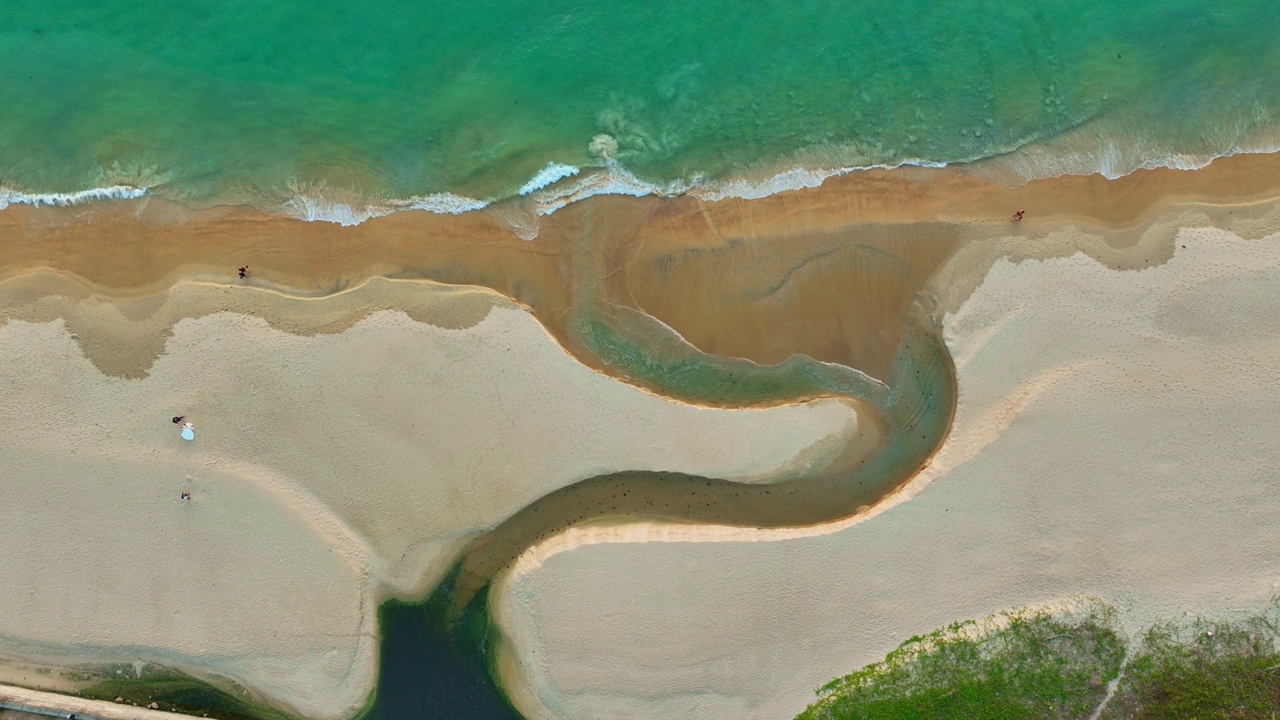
1029	664
178	692
1202	669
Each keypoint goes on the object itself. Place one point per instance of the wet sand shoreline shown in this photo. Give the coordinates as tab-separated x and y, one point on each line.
691	264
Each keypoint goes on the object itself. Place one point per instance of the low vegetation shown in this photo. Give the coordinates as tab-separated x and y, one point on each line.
1199	670
1042	665
1031	664
166	689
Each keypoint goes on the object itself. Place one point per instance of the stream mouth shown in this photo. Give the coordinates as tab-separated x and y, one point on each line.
438	656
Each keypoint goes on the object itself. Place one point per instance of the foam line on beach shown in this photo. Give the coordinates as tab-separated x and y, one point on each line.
1080	152
317	208
1107	149
64	199
553	172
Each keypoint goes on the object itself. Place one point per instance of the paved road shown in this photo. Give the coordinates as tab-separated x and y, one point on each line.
50	712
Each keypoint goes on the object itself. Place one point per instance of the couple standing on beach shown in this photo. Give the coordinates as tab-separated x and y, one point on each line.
188	430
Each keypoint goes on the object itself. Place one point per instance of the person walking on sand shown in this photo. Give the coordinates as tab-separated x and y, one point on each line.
1017	217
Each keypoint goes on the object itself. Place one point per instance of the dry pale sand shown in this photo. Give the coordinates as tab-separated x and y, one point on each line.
1115	437
329	469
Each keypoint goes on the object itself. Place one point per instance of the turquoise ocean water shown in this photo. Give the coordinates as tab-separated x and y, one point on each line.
240	100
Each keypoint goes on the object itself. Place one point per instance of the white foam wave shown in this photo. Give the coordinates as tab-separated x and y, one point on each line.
552	173
1112	149
1091	148
612	179
441	203
317	208
796	178
1111	160
114	192
1087	150
314	208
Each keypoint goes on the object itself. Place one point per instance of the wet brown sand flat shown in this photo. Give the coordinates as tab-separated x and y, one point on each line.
592	255
756	279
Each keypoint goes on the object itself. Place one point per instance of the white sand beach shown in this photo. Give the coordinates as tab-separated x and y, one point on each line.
1115	438
328	470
